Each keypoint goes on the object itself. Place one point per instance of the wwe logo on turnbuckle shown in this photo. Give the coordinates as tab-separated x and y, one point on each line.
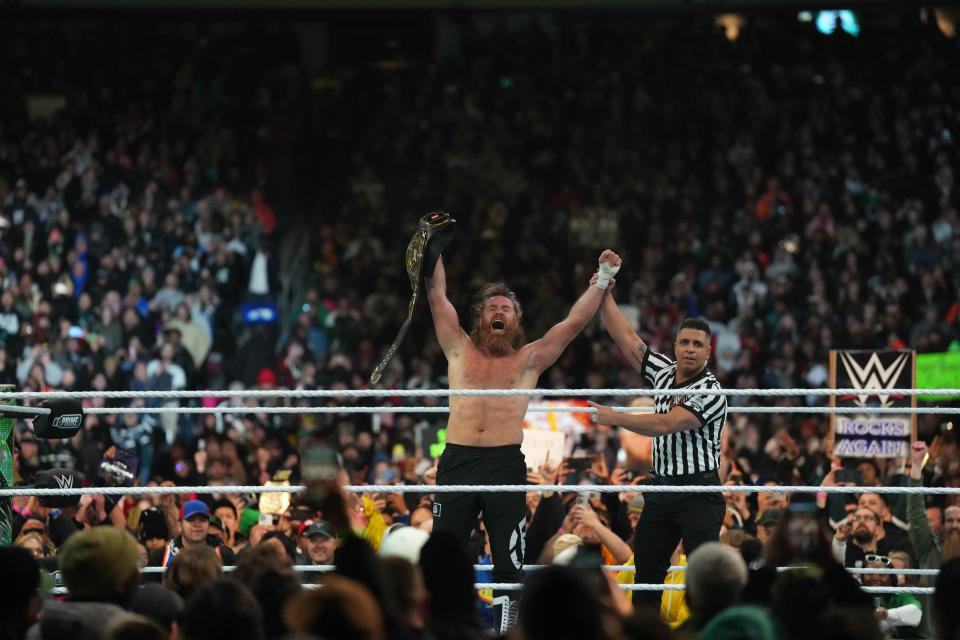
873	375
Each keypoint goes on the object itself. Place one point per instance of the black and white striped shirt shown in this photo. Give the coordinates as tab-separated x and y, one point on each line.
693	450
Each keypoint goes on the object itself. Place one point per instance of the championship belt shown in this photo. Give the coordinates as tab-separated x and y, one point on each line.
433	235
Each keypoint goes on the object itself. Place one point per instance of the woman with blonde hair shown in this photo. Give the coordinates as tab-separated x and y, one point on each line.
32	542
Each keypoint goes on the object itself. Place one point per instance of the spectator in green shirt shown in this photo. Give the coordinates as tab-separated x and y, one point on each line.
899	613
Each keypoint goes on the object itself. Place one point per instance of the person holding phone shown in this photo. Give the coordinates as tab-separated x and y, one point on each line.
862	535
686	427
484	433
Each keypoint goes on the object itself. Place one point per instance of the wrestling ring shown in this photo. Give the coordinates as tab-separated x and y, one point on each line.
393	395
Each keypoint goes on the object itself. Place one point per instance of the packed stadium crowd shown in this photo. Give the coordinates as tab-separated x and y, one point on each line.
778	185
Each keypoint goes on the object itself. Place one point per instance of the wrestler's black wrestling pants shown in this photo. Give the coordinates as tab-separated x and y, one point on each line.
504	513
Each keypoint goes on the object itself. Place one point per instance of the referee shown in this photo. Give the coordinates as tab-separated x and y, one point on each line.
686	428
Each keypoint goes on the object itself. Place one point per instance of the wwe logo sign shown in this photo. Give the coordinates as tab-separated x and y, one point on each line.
873	375
65	481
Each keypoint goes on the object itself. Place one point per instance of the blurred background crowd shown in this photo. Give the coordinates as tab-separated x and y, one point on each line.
203	204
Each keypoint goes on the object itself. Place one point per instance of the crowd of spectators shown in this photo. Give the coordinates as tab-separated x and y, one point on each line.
402	581
777	184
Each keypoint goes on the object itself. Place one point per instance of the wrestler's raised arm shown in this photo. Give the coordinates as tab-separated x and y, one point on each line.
546	350
622	332
445	321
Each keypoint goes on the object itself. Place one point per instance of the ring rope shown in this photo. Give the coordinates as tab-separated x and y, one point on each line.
533	409
417	393
19	491
517	586
325	568
474	488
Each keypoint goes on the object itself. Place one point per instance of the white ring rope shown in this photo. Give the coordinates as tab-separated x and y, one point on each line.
474	488
533	409
326	568
419	393
517	586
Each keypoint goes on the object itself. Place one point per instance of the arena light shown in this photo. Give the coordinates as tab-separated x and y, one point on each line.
731	23
946	21
827	21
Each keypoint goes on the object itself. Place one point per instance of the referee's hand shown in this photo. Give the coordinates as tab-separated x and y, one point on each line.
605	415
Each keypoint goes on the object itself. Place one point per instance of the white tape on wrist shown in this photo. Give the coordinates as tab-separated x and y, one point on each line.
606	272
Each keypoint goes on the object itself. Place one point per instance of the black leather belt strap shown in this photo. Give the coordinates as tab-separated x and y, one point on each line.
433	235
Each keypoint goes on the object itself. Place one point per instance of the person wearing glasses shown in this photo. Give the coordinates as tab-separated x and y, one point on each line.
860	536
32	542
899	613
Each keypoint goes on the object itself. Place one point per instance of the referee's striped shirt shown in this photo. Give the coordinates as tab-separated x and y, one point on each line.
693	450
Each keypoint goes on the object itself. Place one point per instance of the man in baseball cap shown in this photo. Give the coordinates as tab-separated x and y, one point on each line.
767	524
322	542
194	531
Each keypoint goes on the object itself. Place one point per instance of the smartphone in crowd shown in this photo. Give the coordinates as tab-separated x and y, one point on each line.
578	463
850	475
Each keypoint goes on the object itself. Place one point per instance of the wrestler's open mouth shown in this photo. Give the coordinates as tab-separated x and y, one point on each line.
497	325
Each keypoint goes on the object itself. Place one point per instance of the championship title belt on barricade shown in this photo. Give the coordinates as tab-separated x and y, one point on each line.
433	234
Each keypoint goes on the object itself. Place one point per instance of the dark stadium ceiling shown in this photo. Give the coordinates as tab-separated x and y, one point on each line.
341	5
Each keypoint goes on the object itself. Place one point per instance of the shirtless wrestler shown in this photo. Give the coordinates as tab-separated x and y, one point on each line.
484	433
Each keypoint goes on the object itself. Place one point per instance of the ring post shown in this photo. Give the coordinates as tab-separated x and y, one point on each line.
6	470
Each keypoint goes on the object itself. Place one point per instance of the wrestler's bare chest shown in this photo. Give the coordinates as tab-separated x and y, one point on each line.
488	420
477	370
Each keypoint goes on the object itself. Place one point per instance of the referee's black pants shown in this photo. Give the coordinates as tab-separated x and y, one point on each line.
668	518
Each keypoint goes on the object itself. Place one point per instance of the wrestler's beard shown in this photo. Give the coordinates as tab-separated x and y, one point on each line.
951	545
498	344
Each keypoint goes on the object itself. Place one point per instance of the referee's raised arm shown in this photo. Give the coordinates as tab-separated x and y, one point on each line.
622	332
